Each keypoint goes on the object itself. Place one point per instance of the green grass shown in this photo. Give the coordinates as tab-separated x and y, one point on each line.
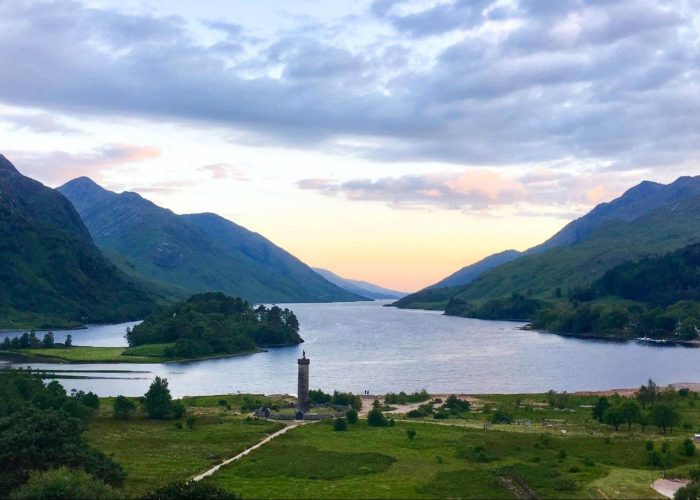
150	353
88	354
149	350
315	461
155	452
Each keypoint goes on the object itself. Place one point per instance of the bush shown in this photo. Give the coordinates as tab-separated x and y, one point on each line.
376	418
688	448
689	492
190	490
411	434
351	416
190	422
179	410
340	424
63	484
501	417
123	408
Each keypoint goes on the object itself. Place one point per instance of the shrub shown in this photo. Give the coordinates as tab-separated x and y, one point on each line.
376	418
63	484
351	416
191	421
689	492
501	417
179	410
562	454
410	433
190	490
688	448
123	408
340	424
415	414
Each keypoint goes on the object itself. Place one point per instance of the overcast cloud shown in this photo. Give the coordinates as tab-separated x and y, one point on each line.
500	82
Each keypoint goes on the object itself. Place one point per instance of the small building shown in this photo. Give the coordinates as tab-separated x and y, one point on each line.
697	438
262	412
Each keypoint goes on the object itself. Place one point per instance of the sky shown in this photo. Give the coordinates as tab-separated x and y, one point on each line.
393	141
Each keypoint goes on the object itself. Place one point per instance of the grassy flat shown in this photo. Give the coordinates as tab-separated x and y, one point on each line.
442	461
151	353
155	452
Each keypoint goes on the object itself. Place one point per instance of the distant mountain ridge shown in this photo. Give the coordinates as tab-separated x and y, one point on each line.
194	253
358	287
543	266
51	272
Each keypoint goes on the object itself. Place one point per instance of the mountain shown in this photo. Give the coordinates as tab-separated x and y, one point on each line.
357	287
467	274
51	272
194	253
648	219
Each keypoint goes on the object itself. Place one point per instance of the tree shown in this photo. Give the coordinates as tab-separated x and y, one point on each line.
48	340
69	341
351	415
648	394
411	434
613	416
630	412
158	401
63	484
190	490
38	439
123	408
665	416
601	406
689	492
376	418
340	424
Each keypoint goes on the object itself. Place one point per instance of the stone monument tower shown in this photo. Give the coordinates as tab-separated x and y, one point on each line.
303	384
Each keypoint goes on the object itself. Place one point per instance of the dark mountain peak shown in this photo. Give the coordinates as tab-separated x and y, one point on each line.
84	192
6	165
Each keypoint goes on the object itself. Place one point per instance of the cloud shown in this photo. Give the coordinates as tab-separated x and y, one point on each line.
224	171
477	189
42	123
57	167
468	82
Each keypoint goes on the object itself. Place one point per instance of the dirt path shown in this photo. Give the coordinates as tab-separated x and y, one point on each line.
242	454
668	487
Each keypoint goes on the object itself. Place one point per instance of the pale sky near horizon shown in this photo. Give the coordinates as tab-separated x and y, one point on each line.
393	141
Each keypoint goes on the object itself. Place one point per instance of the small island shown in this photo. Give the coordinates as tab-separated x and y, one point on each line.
206	325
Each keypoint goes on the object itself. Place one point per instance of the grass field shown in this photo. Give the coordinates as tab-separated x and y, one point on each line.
151	353
155	452
455	458
441	461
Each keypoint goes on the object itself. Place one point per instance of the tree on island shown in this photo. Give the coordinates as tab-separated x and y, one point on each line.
69	341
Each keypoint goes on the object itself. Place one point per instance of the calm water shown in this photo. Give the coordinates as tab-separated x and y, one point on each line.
358	346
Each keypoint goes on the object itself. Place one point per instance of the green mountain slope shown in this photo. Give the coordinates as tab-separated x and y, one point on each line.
527	272
577	265
51	273
194	253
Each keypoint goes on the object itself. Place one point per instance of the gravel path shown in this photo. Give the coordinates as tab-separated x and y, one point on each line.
242	454
668	487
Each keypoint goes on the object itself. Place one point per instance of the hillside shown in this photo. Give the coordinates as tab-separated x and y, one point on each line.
194	253
468	273
358	287
556	263
51	272
616	242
